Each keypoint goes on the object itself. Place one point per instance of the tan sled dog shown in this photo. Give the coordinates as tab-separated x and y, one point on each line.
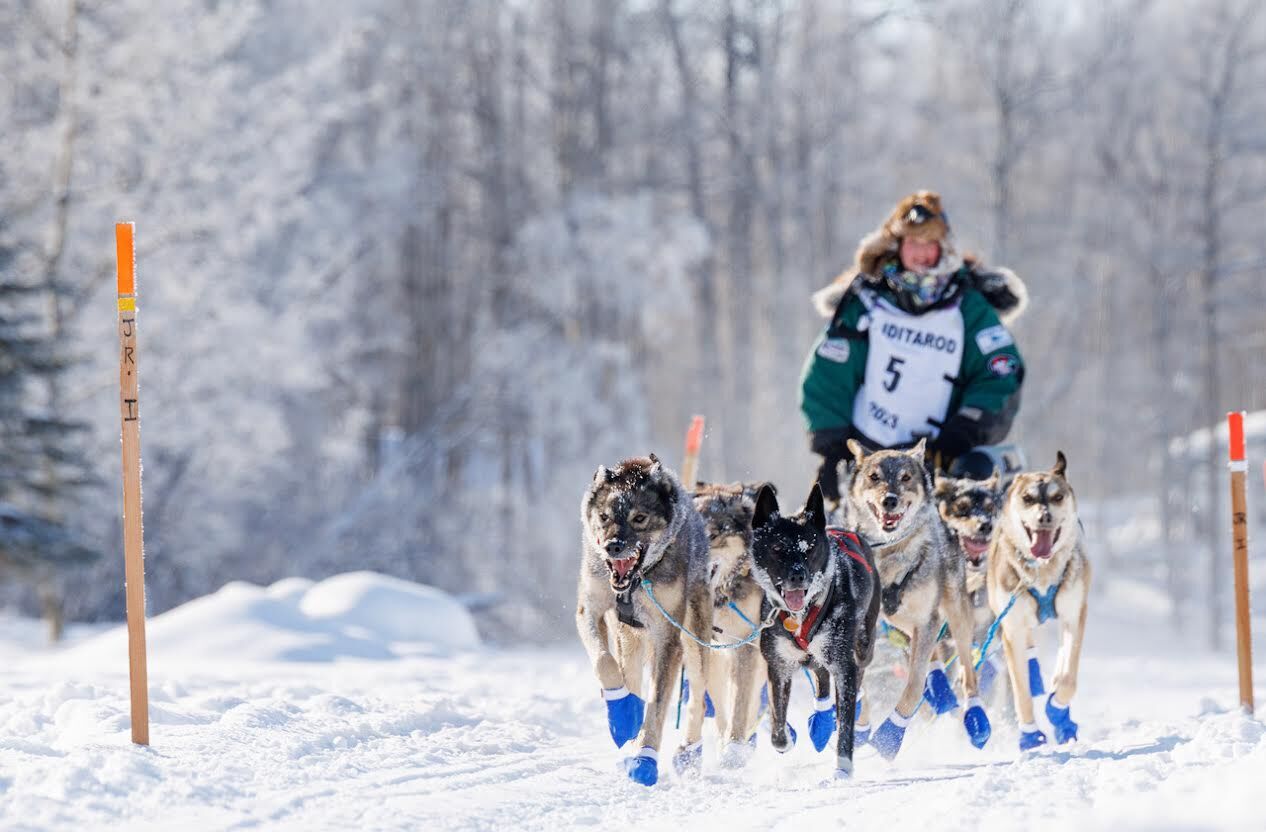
1038	558
642	535
922	583
735	675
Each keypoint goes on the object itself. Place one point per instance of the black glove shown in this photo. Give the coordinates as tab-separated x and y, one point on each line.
957	437
831	445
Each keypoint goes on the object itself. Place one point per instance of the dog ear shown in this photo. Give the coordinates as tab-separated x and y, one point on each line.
601	474
815	508
995	479
766	507
656	466
859	452
919	449
1061	464
944	487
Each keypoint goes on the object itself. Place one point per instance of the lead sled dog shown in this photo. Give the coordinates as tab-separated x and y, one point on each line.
640	527
1038	570
922	583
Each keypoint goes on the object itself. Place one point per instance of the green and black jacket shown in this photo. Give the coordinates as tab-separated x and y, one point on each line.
986	394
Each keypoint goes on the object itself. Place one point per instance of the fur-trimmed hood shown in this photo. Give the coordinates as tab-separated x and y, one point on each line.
921	216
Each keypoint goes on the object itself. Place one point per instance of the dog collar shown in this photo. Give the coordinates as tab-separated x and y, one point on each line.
800	632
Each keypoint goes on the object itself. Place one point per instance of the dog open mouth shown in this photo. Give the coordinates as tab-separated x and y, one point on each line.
1042	541
794	599
889	521
974	548
623	570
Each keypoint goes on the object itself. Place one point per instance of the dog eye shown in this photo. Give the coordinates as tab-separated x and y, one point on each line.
905	477
1058	498
874	478
1028	499
638	519
603	517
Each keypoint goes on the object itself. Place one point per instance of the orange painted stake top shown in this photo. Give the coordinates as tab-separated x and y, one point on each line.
694	437
127	257
1235	424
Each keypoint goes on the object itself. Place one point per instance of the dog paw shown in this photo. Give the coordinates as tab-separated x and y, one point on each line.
844	769
1061	720
976	721
786	742
822	724
689	759
889	735
625	712
861	735
937	692
1031	739
1036	688
642	769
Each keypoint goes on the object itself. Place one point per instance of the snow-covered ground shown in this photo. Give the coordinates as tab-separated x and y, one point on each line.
367	703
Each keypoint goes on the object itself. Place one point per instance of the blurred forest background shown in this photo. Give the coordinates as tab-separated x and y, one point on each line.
409	270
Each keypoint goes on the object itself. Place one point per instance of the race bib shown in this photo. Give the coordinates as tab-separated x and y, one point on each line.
910	367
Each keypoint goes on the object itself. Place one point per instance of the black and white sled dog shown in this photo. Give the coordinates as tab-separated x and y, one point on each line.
820	592
1038	558
644	543
735	675
922	584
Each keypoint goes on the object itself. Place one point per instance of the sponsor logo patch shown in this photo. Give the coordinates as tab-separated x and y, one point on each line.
834	349
993	338
1003	365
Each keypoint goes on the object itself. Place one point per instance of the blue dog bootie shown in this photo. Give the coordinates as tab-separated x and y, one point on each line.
976	721
889	735
625	712
1061	721
689	759
937	691
644	768
822	722
1036	688
1031	737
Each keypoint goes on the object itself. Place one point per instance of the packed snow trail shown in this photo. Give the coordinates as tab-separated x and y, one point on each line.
429	737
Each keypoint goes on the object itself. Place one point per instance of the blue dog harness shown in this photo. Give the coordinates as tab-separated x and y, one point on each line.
1045	603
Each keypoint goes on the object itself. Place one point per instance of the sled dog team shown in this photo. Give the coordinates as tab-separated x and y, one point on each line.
722	583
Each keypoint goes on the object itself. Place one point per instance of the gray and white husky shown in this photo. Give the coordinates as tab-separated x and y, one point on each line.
735	675
1038	558
640	527
922	584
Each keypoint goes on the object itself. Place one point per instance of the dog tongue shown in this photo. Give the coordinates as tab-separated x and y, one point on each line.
1041	543
794	599
623	566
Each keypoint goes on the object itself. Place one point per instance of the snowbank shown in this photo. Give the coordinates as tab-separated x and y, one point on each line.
359	615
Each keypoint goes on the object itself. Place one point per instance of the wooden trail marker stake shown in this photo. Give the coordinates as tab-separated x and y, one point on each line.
1239	531
690	466
133	538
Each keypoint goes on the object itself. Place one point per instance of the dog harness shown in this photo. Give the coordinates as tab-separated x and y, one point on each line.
802	632
1045	603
